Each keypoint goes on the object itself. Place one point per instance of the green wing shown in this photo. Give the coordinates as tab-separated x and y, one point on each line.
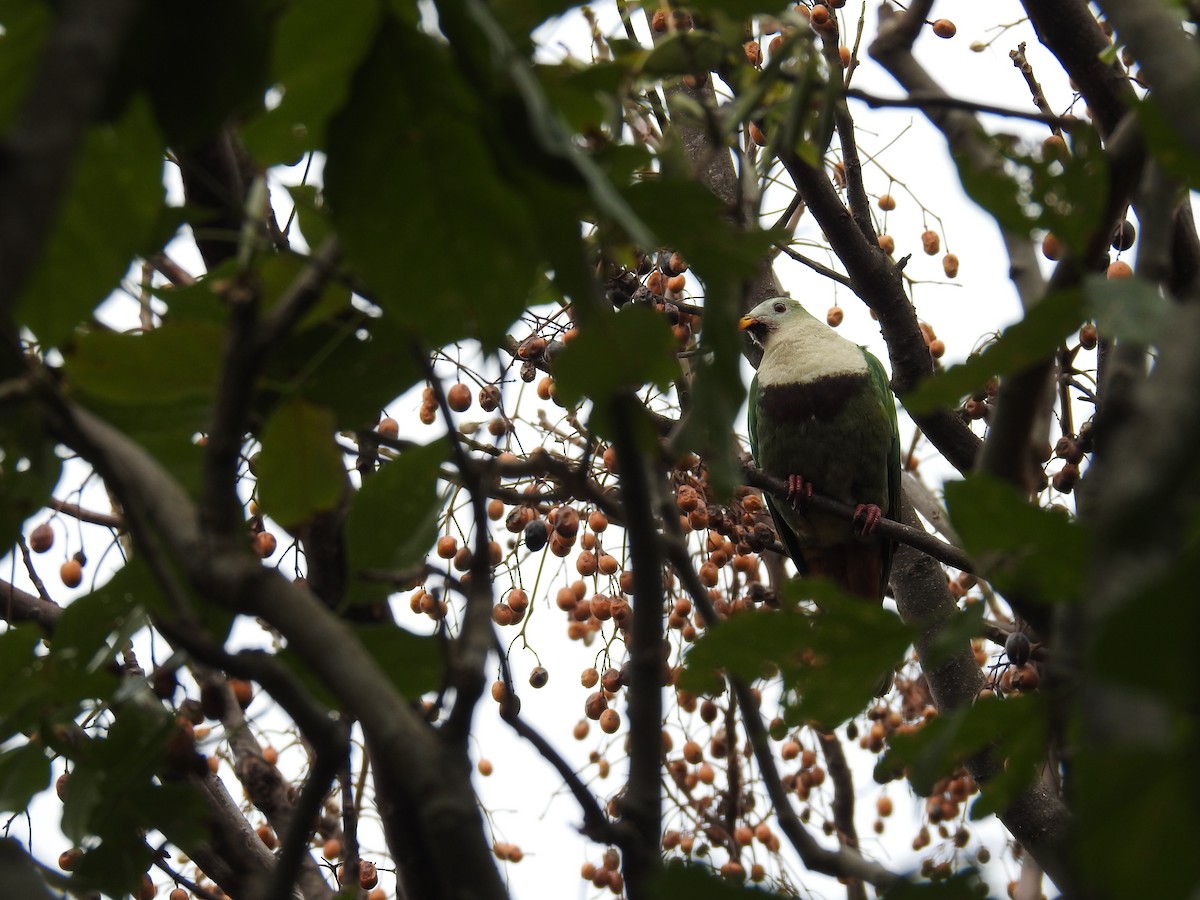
879	381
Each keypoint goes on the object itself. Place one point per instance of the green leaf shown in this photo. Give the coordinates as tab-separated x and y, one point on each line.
588	367
1023	344
418	199
1015	729
684	52
24	772
300	468
682	881
413	662
1020	547
25	26
393	520
831	660
18	873
94	627
29	467
202	61
1129	309
105	219
318	47
176	363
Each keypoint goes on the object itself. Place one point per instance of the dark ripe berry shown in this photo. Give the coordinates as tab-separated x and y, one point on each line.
538	677
41	538
595	705
368	875
528	371
1088	337
1124	235
213	700
567	523
536	534
1064	479
611	680
1018	647
164	683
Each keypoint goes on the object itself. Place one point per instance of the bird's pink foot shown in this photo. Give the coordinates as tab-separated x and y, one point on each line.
866	518
799	491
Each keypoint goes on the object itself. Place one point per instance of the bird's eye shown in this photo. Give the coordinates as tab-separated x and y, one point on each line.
779	307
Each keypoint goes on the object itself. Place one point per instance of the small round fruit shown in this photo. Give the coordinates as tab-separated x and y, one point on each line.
243	691
845	56
1018	647
68	860
1124	235
887	202
589	678
485	767
147	891
447	546
753	53
1051	247
676	283
756	134
887	244
930	242
937	348
71	573
388	427
944	28
819	15
264	544
178	894
834	316
610	721
1120	269
41	538
950	265
368	875
489	398
538	677
428	414
883	806
459	397
1088	338
536	533
545	388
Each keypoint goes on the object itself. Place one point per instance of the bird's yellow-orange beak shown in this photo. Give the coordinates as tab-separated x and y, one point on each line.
745	322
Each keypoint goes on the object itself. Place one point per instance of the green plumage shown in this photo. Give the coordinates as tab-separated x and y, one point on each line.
821	408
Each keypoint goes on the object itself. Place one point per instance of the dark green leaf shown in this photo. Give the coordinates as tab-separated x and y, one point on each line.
24	771
1015	729
18	873
1130	309
683	52
412	662
25	25
1164	140
691	882
831	660
1023	344
589	367
1021	548
203	60
996	190
300	468
29	467
94	627
318	46
437	267
178	362
393	519
312	214
105	219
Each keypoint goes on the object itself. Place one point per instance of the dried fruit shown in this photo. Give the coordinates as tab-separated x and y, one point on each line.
489	397
388	427
610	721
834	316
538	677
887	202
1088	338
887	244
930	242
753	53
950	265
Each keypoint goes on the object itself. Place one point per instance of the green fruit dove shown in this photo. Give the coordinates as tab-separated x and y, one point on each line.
821	416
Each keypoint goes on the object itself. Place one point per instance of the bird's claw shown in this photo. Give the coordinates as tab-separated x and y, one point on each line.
799	491
866	518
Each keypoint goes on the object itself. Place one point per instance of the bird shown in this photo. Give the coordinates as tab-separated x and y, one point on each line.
821	415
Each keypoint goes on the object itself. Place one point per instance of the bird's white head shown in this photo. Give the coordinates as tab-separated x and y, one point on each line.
769	316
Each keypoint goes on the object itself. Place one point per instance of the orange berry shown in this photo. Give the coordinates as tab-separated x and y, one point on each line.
834	316
485	767
887	244
756	133
545	388
1088	338
819	15
269	754
581	729
388	427
883	806
887	202
459	397
930	242
428	414
610	721
658	23
147	891
243	691
753	53
178	894
936	348
71	573
68	860
950	265
944	28
447	546
1051	247
676	283
368	875
845	56
586	563
1120	269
